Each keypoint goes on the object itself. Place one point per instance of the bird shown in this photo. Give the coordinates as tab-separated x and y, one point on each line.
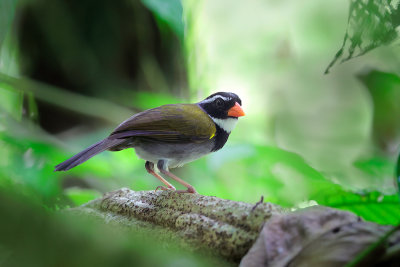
170	136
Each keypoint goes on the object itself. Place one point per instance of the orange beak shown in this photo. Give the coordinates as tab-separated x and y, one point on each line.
236	111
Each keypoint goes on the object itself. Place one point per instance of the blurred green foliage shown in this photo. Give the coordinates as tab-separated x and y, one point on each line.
7	10
41	238
169	12
384	89
71	71
398	176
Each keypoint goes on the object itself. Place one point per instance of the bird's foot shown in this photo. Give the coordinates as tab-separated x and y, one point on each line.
163	188
190	190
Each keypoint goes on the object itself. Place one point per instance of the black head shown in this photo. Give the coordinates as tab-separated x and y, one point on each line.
222	105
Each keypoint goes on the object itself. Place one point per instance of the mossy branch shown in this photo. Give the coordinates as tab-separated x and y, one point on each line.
266	232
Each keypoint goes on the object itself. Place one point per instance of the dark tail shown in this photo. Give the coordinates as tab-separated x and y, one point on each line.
86	154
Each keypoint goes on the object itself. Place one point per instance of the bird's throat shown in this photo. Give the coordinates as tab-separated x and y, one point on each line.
227	124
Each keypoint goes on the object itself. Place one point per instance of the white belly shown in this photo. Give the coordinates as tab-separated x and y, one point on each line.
175	155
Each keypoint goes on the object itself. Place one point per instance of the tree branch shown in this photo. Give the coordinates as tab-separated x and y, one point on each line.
229	229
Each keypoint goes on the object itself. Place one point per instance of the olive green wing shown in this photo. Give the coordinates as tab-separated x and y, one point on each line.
169	123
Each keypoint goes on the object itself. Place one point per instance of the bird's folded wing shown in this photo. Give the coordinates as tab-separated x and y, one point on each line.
169	123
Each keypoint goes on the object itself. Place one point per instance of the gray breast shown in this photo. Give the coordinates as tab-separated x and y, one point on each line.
175	155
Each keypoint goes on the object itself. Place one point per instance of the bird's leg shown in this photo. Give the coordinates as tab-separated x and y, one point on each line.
163	169
150	169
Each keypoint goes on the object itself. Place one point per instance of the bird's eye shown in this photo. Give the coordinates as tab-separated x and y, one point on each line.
219	102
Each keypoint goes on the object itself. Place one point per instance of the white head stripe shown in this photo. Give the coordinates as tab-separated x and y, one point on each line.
215	97
227	124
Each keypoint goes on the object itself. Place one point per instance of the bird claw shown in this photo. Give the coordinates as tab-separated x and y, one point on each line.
190	190
163	188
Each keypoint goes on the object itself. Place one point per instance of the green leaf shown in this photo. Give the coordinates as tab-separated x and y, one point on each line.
168	11
371	23
374	206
